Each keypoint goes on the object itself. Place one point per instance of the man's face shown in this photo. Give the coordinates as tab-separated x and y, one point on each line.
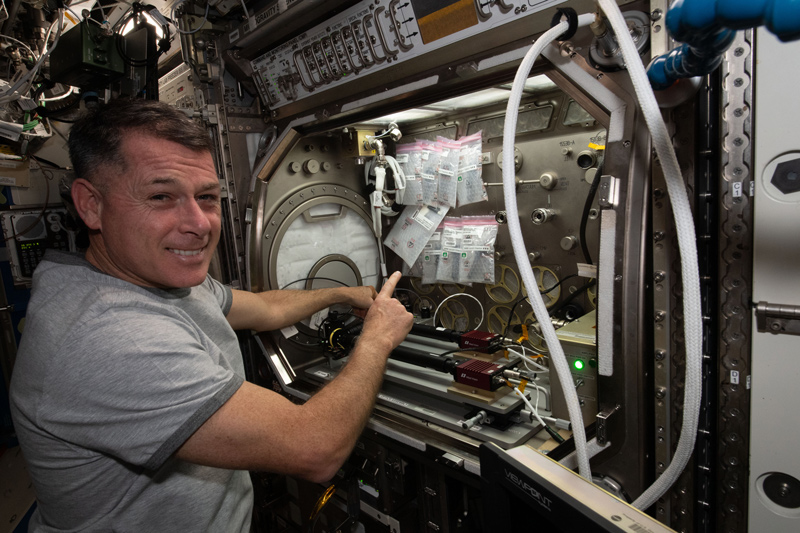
160	219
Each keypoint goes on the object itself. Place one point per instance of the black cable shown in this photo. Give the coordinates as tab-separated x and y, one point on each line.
546	291
59	107
554	287
511	317
587	207
46	162
315	277
408	290
304	344
571	297
65	121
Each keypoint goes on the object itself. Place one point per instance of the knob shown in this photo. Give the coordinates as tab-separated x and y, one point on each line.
569	242
548	181
311	166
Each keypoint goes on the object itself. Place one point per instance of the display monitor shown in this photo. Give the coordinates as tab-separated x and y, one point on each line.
523	487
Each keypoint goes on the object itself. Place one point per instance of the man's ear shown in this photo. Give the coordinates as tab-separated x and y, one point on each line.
88	202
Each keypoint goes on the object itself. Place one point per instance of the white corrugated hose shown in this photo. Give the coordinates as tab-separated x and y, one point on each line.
684	223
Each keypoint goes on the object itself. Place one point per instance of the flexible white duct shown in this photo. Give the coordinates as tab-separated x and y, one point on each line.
692	313
520	253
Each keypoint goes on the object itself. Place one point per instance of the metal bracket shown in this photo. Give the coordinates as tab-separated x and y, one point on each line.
778	318
603	416
609	191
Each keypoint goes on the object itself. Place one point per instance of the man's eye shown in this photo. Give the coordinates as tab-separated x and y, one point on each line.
159	197
208	198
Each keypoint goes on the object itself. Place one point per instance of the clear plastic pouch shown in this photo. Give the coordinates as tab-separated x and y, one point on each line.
430	256
478	237
448	171
447	271
412	231
430	155
471	188
409	157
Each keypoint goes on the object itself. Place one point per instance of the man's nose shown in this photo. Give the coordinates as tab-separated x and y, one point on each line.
195	219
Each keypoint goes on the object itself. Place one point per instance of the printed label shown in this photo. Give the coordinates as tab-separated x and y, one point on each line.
436	237
289	331
737	189
395	401
426	216
402	158
734	377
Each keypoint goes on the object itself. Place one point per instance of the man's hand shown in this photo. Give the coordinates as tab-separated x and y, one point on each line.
360	298
387	319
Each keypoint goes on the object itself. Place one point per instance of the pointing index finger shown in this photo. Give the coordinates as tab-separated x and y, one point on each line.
390	284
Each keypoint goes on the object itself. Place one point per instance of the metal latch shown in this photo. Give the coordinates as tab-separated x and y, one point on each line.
601	428
778	318
608	192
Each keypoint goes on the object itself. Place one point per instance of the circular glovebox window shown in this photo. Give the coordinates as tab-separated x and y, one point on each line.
323	241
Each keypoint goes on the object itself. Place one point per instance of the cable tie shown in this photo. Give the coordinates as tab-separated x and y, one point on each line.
572	19
524	336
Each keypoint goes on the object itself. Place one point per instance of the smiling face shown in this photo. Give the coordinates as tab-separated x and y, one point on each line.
157	223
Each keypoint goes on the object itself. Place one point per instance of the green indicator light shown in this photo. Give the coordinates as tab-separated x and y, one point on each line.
578	364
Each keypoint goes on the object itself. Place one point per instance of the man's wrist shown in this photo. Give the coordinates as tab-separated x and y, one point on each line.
375	343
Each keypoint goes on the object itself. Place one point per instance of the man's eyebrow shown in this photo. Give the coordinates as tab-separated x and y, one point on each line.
215	186
162	181
172	181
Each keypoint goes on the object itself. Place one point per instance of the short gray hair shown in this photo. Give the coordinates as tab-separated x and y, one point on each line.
95	140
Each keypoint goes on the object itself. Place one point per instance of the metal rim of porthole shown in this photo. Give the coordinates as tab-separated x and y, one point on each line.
298	204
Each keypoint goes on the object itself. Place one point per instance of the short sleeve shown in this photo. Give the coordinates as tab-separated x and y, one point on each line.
221	292
135	383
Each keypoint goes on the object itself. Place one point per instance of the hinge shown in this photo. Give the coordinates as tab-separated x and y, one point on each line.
778	318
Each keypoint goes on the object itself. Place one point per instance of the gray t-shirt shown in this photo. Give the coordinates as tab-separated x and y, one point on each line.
110	380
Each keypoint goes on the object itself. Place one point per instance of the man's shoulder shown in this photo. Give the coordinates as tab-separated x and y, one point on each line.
68	276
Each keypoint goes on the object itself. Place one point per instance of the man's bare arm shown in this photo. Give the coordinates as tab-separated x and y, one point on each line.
257	429
277	309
